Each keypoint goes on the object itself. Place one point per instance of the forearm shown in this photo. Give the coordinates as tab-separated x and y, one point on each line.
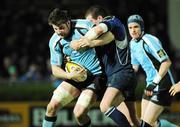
102	40
59	72
162	71
164	67
96	31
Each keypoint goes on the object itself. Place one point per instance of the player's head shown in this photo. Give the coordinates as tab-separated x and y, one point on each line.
135	26
96	14
138	19
60	21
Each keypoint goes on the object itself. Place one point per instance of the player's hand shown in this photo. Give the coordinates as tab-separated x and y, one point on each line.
149	89
82	43
76	74
174	89
75	44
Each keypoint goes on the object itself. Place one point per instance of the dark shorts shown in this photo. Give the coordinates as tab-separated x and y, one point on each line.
124	81
162	96
93	82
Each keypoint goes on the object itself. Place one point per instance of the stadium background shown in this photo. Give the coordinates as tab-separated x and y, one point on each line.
26	83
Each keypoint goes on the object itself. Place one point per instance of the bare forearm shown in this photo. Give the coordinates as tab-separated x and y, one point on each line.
164	67
59	72
96	31
102	40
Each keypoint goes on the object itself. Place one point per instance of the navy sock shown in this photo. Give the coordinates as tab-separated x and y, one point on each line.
118	117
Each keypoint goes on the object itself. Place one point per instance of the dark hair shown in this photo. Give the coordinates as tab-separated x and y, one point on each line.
58	17
95	11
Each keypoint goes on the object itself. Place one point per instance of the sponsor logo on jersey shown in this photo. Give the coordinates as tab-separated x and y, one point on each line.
161	53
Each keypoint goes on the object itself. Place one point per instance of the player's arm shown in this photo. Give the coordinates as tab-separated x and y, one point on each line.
154	47
165	65
96	31
96	36
102	40
58	72
158	52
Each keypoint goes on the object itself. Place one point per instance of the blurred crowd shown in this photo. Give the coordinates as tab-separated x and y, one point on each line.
24	32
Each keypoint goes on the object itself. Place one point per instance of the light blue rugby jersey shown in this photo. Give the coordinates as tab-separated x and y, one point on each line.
148	53
86	58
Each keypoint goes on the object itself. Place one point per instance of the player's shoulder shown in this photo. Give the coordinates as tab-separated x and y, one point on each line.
82	23
54	40
113	19
150	37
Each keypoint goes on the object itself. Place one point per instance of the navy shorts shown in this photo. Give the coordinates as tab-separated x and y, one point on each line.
162	96
93	82
124	81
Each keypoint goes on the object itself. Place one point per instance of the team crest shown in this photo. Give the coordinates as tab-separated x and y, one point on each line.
161	53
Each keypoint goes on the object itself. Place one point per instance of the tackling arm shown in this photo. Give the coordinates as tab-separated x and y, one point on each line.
96	31
102	40
96	36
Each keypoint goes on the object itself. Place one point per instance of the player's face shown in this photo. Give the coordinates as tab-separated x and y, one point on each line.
63	30
95	21
134	30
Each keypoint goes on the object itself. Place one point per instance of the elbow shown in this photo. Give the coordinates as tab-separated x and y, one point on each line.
99	31
53	73
112	37
169	62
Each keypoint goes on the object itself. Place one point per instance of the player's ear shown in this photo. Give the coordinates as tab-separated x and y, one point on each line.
99	18
68	22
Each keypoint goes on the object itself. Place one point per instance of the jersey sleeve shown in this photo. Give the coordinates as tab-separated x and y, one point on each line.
116	27
155	48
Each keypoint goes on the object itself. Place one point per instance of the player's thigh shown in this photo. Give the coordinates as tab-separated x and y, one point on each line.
152	112
144	104
70	88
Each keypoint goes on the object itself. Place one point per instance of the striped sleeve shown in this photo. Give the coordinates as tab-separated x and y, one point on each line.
155	48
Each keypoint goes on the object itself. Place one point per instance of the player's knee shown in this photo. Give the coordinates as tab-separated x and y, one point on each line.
62	97
52	108
104	107
78	112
